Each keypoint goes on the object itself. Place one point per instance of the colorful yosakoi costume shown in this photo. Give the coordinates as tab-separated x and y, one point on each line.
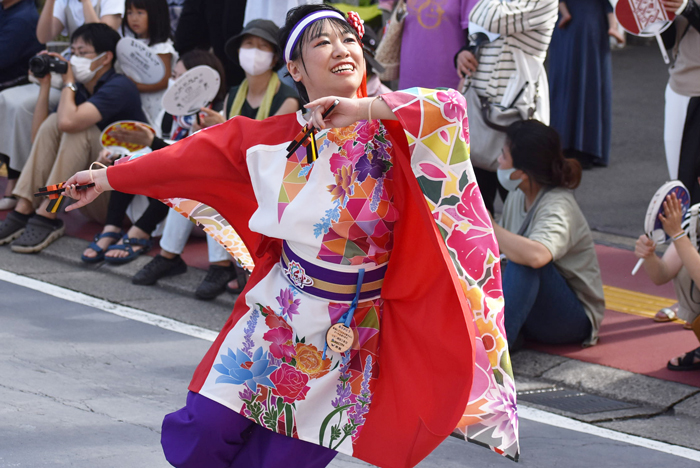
395	199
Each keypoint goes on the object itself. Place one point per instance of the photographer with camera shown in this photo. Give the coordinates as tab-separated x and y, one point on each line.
93	96
17	104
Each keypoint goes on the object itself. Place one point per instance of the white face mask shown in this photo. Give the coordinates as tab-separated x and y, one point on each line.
255	61
505	180
171	82
81	68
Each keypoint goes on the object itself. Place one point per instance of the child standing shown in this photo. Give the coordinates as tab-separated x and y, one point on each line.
149	21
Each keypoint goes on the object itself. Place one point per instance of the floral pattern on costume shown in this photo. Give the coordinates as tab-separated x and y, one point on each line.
358	228
436	128
278	374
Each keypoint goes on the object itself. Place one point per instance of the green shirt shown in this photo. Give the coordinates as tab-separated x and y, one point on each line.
559	225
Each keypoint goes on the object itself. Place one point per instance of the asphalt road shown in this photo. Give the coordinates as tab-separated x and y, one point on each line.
82	387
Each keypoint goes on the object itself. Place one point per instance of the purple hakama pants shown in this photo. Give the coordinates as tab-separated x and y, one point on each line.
206	434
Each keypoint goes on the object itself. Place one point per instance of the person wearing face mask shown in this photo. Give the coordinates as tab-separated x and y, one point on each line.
93	96
261	94
551	285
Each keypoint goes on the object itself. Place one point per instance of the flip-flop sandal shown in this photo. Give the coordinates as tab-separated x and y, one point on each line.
687	362
242	279
126	245
665	315
99	250
687	326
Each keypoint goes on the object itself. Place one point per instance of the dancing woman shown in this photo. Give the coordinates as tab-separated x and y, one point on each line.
375	224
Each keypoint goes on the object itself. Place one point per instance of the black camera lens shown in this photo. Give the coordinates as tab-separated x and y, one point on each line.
39	66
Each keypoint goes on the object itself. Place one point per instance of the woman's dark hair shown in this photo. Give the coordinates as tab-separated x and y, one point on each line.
158	19
536	150
100	36
310	33
197	57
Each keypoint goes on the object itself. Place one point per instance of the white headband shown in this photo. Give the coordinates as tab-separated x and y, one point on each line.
299	28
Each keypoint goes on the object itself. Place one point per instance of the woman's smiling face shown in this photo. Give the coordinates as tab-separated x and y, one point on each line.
331	63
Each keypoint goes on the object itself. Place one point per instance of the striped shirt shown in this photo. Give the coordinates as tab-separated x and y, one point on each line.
524	24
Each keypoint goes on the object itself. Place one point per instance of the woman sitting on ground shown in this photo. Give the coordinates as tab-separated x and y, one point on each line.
551	285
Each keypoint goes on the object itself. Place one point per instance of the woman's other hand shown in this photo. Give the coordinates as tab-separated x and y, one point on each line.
85	196
672	217
644	247
209	117
564	15
141	135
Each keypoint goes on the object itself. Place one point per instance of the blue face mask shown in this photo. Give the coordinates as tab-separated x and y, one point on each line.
505	180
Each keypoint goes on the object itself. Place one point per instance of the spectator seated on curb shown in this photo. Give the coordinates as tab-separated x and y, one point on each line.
552	286
17	104
260	95
124	247
680	264
93	96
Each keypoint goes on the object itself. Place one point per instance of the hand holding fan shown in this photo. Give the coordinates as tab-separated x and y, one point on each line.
645	18
652	225
119	146
139	62
195	88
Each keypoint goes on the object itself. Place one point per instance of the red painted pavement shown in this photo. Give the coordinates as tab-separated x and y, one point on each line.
629	342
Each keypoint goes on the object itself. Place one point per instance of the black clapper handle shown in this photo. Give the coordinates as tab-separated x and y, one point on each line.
298	142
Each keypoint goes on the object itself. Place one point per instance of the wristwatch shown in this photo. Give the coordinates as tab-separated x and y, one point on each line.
71	86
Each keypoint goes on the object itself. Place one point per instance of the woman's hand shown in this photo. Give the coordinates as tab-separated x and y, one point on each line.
565	15
85	196
209	117
347	112
644	247
141	135
672	217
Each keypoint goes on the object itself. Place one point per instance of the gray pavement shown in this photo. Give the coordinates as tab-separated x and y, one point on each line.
81	387
614	199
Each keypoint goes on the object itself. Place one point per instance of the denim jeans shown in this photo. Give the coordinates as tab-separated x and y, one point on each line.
540	304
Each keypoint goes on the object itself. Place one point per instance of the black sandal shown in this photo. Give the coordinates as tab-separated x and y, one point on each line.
127	243
687	362
242	279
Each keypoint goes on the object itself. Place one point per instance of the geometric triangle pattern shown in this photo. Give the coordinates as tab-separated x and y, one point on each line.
360	230
296	174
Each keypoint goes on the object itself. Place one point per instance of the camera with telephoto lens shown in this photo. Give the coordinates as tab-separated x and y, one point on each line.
43	64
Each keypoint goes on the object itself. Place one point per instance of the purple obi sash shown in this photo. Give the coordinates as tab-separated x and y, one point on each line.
332	285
